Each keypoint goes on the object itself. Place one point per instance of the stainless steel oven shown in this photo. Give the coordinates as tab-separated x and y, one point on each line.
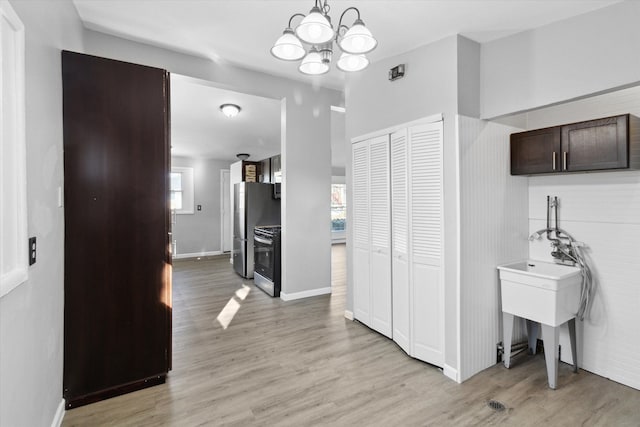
266	246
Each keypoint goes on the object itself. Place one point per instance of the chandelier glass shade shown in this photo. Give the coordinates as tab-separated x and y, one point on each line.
288	47
358	39
313	63
315	28
312	40
349	62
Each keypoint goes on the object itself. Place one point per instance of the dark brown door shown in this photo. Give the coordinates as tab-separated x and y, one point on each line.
535	151
117	312
596	144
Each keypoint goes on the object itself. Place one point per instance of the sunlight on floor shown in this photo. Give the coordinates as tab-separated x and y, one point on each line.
231	308
243	292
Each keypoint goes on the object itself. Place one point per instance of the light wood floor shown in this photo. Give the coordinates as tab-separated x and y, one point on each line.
302	363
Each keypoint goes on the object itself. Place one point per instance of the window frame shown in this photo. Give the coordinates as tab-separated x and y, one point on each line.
188	193
342	206
14	268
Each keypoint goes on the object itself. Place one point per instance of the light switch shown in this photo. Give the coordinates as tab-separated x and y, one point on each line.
32	250
199	207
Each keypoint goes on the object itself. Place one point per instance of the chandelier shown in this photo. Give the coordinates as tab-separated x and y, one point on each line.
316	32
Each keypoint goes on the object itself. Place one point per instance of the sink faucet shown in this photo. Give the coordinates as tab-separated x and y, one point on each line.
563	252
562	243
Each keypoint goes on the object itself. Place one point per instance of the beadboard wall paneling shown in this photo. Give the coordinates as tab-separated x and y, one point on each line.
493	227
603	210
608	343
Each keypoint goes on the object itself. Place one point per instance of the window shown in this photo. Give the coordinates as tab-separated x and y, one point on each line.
13	178
181	190
338	207
176	190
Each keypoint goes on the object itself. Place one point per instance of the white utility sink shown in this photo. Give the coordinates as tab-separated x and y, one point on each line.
545	293
540	291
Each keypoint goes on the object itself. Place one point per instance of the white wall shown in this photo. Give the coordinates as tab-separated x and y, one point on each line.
430	86
31	316
200	234
338	141
603	210
306	152
493	224
564	60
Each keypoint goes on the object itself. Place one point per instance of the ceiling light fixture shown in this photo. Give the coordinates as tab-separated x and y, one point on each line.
315	29
230	110
242	156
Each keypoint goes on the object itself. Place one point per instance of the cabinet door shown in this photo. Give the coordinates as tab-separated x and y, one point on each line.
400	240
117	295
361	239
596	144
535	151
426	225
379	208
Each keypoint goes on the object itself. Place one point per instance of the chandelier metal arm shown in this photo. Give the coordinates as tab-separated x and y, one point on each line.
291	19
324	7
342	16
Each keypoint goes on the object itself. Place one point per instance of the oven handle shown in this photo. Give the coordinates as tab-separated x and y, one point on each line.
262	240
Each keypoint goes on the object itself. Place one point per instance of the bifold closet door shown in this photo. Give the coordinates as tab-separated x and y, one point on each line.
372	234
117	264
426	242
380	214
400	241
361	228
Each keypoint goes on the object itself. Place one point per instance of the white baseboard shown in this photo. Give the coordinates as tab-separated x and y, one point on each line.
197	254
304	294
348	314
57	419
449	372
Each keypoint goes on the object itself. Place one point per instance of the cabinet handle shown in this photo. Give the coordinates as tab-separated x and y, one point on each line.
564	160
553	160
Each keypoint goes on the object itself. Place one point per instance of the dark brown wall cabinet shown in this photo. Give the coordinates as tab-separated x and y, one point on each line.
117	264
602	144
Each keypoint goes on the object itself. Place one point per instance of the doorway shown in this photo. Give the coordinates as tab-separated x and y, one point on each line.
225	210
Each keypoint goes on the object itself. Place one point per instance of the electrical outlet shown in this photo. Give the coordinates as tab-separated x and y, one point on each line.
32	250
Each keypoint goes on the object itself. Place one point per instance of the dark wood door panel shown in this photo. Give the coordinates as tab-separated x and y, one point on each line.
117	268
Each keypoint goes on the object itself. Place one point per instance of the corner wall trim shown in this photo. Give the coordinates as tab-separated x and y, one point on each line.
304	294
348	314
59	416
197	254
451	373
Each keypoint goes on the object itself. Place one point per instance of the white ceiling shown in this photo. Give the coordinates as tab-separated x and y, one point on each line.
241	32
199	129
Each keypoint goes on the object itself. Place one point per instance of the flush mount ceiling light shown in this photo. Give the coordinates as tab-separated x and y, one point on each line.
315	30
242	156
230	110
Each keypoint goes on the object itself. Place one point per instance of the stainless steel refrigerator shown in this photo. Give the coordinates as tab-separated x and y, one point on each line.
254	205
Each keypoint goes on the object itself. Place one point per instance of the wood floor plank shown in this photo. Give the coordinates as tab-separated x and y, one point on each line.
301	363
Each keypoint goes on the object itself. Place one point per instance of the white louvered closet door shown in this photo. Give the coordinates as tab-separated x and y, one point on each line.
361	236
380	231
426	243
400	241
